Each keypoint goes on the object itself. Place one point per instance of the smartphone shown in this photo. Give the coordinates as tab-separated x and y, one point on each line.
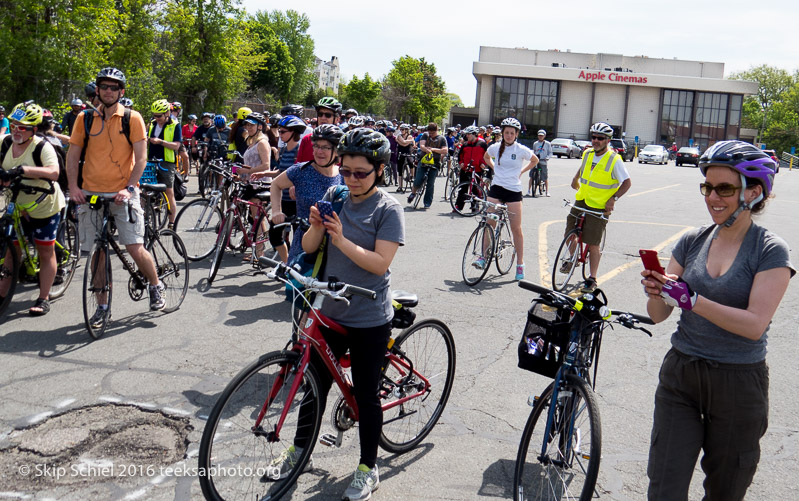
651	261
325	209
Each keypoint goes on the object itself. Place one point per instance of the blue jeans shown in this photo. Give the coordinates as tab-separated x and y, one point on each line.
421	170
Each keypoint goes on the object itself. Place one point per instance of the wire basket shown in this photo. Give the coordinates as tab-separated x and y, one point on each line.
542	347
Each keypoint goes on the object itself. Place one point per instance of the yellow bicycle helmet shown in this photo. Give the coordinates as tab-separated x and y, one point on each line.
160	106
243	113
27	113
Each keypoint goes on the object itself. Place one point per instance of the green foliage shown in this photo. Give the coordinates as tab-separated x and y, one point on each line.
775	108
362	94
276	72
291	29
412	90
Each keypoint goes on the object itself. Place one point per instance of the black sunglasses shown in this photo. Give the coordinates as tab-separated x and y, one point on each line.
723	189
325	114
598	138
108	87
356	174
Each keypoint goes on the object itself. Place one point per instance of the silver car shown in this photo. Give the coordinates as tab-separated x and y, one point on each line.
566	148
653	153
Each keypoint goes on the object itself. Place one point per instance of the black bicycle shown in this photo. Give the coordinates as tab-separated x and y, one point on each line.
560	448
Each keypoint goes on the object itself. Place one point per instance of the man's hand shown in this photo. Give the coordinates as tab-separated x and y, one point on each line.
122	196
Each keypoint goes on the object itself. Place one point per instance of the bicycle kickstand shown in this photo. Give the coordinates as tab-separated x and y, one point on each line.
331	440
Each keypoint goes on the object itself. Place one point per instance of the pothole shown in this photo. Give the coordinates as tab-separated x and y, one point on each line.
89	445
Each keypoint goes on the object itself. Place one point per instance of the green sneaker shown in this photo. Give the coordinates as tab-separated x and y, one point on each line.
281	466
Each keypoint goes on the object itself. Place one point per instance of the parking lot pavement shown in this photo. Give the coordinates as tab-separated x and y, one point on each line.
82	401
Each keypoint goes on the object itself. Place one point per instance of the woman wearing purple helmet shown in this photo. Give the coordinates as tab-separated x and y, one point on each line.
713	389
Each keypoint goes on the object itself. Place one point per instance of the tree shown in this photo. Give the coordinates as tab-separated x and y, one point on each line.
454	100
772	83
276	73
291	28
362	94
412	90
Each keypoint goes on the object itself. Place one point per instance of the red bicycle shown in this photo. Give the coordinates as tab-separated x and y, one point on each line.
572	250
251	429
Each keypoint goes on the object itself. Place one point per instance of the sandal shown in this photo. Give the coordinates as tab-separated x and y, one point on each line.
41	307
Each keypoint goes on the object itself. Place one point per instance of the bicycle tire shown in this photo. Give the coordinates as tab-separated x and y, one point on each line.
420	193
475	207
505	253
561	279
430	346
90	302
9	269
549	479
477	248
172	266
240	227
229	441
67	257
200	225
160	207
219	248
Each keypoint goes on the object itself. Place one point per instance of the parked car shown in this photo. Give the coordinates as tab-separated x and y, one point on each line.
653	153
583	144
687	155
566	148
622	147
773	155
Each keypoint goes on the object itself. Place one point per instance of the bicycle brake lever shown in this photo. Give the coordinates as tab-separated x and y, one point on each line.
645	330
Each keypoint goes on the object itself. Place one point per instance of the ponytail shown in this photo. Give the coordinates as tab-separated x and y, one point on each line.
501	150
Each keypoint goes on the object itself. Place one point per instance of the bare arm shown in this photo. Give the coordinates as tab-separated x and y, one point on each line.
280	183
533	162
73	158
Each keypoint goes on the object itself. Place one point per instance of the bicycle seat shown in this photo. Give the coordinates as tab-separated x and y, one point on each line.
263	196
405	298
154	188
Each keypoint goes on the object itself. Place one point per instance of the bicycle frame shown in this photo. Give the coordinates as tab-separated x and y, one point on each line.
105	239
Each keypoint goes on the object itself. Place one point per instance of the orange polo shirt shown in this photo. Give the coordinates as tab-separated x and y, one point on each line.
109	158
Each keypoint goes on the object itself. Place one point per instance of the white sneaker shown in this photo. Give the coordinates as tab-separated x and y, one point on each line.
283	464
366	481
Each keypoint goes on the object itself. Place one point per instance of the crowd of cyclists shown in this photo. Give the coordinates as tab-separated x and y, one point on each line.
304	160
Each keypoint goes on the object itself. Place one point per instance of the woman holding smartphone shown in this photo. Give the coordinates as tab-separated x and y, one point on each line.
728	279
363	239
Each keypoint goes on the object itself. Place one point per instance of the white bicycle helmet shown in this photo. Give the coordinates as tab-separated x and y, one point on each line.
542	131
511	122
602	128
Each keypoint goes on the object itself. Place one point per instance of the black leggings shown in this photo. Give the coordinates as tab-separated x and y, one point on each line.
367	347
276	234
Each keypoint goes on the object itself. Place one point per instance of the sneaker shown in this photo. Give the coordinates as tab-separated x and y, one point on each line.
283	464
519	272
99	317
529	193
366	481
157	301
566	267
589	285
411	197
480	263
426	206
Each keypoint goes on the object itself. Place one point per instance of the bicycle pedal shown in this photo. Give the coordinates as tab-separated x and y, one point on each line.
331	440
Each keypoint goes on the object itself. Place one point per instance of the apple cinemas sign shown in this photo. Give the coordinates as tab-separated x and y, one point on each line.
598	76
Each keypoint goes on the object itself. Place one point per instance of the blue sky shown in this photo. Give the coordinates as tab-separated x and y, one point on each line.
367	37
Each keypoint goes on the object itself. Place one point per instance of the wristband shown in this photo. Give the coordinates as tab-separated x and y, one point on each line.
679	294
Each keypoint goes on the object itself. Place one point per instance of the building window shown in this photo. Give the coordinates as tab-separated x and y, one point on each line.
710	118
675	123
733	129
532	102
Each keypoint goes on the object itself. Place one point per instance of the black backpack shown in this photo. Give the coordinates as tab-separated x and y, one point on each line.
88	118
37	158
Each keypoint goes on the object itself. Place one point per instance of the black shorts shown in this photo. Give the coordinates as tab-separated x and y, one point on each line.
504	195
276	234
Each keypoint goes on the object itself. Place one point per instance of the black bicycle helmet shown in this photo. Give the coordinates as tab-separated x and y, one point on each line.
328	132
90	90
367	143
292	109
275	119
256	118
330	103
111	74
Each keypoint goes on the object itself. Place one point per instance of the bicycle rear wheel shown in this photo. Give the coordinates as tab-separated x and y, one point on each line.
477	255
420	193
472	206
67	255
565	261
197	224
172	267
9	270
569	466
505	250
219	247
231	441
97	289
430	348
160	210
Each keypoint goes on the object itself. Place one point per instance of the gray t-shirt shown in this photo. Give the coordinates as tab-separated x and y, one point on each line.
379	217
696	336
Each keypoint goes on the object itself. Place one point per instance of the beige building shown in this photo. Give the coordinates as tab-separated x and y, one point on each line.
657	100
327	74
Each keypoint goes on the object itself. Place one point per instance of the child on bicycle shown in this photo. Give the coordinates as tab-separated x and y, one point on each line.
363	239
506	187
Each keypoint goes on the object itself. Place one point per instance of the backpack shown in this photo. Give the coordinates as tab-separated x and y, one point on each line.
37	158
313	264
88	118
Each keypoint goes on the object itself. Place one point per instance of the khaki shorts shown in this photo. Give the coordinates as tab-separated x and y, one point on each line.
593	228
89	221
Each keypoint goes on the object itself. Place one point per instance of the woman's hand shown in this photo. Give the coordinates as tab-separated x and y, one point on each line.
334	229
315	218
653	282
278	217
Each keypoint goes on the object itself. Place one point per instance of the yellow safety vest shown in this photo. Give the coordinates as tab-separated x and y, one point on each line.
597	185
169	135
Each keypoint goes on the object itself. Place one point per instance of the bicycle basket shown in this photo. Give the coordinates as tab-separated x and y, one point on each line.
148	176
542	347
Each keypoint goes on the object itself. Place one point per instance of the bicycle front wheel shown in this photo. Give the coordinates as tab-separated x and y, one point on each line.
9	270
219	247
427	346
172	267
97	289
197	224
474	202
569	465
67	253
232	441
477	255
565	261
506	251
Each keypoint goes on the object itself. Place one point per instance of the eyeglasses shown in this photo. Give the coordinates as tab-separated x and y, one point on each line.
322	148
723	189
283	131
27	128
598	138
108	87
356	174
324	114
158	115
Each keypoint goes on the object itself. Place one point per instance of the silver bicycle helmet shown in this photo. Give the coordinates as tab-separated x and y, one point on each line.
602	128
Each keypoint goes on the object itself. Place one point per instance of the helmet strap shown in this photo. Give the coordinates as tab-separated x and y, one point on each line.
333	159
367	192
742	204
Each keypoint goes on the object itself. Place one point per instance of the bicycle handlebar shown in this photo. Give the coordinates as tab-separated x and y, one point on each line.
599	214
334	289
